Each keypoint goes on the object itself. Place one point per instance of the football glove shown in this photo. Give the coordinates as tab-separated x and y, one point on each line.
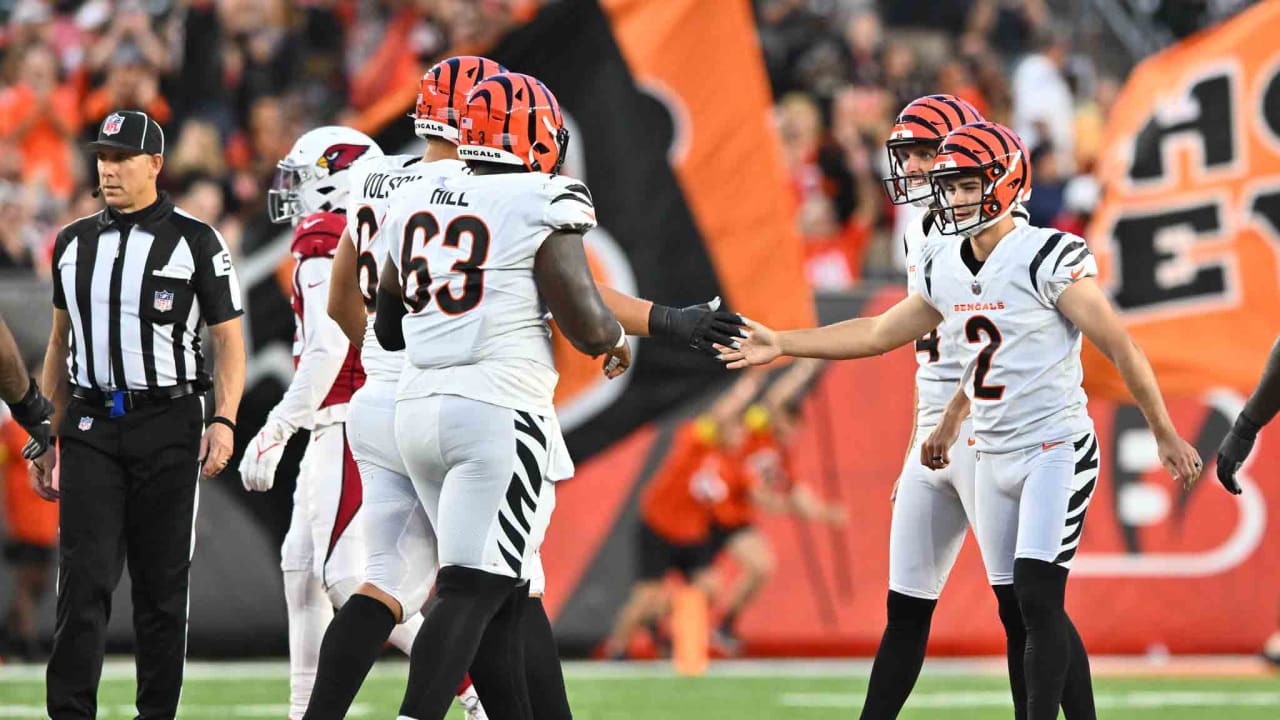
1233	451
33	413
262	456
698	326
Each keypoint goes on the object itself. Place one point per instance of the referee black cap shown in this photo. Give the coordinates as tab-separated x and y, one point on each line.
132	131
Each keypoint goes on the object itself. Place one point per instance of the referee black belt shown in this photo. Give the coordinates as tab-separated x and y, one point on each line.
133	399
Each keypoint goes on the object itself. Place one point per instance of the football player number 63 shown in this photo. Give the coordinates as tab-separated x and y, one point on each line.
415	276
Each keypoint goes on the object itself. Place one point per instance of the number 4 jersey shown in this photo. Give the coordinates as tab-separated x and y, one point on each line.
465	246
373	183
1021	355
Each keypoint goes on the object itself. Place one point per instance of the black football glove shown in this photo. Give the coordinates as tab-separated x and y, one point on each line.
698	326
1233	451
33	413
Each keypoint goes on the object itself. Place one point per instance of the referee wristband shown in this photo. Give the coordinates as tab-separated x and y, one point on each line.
219	420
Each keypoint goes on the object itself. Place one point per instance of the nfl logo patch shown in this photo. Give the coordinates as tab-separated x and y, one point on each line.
86	422
112	124
163	301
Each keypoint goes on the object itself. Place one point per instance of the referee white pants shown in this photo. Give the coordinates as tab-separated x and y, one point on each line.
399	541
931	513
485	475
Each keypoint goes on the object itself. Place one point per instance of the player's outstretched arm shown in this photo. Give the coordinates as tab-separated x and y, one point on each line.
1084	304
1261	407
390	308
698	326
565	282
856	338
345	304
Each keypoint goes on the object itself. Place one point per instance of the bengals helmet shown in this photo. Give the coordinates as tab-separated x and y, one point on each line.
442	94
513	119
924	120
997	156
305	180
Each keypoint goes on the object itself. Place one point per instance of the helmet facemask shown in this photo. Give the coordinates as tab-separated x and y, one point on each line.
970	218
284	198
901	187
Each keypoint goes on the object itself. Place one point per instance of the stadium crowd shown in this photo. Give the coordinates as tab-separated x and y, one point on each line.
233	96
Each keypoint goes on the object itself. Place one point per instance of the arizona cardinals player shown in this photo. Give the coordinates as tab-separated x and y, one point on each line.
1021	298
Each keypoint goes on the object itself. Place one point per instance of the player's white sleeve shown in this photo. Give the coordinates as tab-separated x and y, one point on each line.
568	205
925	274
1065	261
324	349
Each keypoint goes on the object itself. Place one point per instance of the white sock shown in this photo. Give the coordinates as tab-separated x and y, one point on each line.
309	614
404	633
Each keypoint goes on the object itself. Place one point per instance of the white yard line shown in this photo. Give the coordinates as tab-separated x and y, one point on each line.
122	668
996	699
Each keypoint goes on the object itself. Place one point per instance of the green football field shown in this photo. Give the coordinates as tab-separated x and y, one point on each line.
802	690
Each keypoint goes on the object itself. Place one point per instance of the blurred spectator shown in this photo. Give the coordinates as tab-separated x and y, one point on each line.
41	117
1090	121
131	25
865	36
204	197
197	151
1079	199
253	155
1006	25
19	237
1050	184
259	56
132	83
1043	107
32	525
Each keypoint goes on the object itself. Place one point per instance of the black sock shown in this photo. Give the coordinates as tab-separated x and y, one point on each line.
899	657
1077	694
542	665
351	644
454	623
729	622
1015	638
498	670
1041	589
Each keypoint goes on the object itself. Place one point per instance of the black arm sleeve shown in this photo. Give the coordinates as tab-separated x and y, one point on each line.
1265	401
390	309
565	282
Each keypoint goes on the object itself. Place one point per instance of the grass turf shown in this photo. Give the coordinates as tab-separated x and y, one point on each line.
602	692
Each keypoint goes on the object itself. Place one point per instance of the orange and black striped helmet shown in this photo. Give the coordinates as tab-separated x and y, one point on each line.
998	158
442	94
513	119
925	120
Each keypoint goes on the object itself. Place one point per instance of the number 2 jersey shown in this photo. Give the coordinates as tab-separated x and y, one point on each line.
465	246
373	184
1021	356
939	367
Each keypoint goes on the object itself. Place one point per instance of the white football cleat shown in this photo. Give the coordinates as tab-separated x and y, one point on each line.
470	702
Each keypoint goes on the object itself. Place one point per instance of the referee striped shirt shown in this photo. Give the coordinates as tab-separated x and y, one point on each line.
139	288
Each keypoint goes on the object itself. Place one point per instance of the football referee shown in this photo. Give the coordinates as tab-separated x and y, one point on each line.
133	287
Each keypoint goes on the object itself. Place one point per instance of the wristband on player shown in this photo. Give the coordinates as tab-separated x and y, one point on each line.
660	320
622	337
1245	428
28	409
219	420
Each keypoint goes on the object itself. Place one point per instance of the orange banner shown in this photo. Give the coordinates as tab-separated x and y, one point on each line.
702	60
1189	227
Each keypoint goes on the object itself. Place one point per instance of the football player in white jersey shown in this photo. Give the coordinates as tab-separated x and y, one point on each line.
934	508
399	539
402	548
1020	298
475	421
322	558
